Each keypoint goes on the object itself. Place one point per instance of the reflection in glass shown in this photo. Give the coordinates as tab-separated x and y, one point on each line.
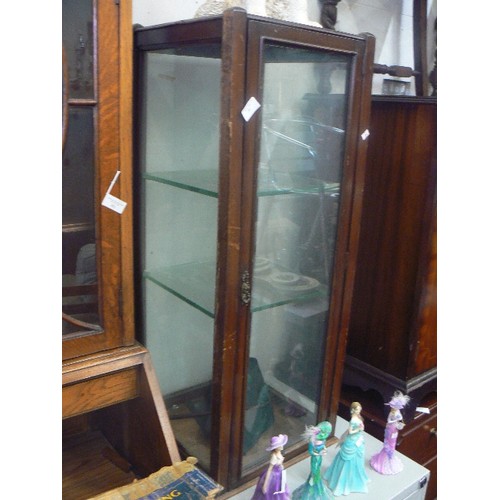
79	276
299	187
77	37
179	159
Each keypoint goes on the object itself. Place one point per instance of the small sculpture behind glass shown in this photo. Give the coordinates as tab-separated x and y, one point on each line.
272	482
347	472
315	488
386	461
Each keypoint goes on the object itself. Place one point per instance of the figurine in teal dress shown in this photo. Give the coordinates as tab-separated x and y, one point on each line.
347	472
315	488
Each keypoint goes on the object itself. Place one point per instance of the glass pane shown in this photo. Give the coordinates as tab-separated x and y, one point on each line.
78	43
180	158
299	186
78	225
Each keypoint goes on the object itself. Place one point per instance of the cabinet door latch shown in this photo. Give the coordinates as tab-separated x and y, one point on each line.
245	287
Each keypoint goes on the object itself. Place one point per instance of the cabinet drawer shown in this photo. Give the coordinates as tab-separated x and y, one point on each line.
420	442
99	392
432	486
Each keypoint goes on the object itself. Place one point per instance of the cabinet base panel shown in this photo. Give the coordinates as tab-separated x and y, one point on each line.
359	374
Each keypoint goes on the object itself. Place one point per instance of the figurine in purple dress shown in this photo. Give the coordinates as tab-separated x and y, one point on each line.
386	461
272	483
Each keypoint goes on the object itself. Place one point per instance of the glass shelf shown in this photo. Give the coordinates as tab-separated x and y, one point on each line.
266	296
273	183
270	184
199	181
194	283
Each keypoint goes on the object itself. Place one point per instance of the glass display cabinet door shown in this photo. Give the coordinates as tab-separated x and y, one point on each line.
299	185
301	148
79	269
179	142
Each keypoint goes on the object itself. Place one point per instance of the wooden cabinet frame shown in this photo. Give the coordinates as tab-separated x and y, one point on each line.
241	37
113	152
115	424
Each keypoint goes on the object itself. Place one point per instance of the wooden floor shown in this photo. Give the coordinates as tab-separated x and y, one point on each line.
90	456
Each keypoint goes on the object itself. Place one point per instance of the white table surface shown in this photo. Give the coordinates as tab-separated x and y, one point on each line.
381	487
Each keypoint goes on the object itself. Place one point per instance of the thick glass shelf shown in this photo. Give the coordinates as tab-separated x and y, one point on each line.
266	295
199	181
194	283
271	183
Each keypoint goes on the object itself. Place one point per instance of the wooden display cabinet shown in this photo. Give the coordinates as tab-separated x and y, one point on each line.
110	392
392	341
392	331
98	303
250	159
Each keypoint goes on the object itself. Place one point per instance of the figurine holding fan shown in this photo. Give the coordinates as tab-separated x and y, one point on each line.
386	461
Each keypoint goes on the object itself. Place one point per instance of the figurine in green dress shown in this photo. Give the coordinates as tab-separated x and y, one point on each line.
347	472
315	488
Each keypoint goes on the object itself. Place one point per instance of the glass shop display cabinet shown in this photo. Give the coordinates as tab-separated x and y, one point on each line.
250	146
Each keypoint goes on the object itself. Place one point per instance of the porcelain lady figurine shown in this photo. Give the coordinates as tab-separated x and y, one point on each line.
315	488
272	482
347	472
386	461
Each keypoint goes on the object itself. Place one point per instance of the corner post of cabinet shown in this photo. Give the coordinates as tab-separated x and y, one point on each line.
226	374
126	182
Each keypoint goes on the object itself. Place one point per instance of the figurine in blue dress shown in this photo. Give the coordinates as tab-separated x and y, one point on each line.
315	488
347	472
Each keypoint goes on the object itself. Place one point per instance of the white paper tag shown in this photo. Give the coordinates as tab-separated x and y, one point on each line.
365	135
112	202
421	409
250	108
359	441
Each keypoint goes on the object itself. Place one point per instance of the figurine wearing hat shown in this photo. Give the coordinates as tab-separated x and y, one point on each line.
315	488
386	461
272	482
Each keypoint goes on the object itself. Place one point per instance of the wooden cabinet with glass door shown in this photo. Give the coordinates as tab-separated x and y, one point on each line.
250	153
115	425
98	306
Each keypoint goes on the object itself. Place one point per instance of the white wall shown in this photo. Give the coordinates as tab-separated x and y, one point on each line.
390	21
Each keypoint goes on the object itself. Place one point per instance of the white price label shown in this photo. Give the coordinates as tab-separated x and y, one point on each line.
250	108
421	409
112	202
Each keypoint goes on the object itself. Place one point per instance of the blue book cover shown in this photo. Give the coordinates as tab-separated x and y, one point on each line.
193	485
